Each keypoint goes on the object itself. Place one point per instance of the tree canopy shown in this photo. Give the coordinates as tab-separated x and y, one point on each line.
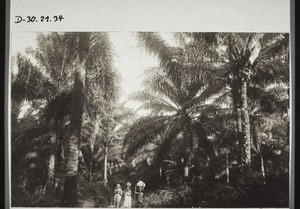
214	130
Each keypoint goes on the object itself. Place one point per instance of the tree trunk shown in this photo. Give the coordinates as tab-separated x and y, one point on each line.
105	163
227	165
160	172
191	146
186	171
262	164
56	165
69	195
246	158
256	142
250	55
51	166
239	93
239	135
58	154
235	92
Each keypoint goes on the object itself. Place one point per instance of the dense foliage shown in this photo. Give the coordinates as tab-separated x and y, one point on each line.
215	132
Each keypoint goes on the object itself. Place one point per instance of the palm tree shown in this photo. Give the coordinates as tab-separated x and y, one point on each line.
247	58
174	93
265	102
106	133
174	101
69	195
114	126
48	86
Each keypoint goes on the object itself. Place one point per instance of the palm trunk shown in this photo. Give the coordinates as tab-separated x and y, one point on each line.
227	165
255	141
69	195
189	138
246	158
235	92
160	176
186	171
58	154
51	169
160	172
239	93
257	145
57	165
187	164
105	163
251	54
262	164
91	162
51	164
90	172
239	135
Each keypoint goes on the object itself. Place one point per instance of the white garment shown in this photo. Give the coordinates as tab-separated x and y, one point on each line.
127	199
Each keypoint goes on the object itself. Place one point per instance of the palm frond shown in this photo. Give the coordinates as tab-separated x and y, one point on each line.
102	79
123	114
29	136
30	83
147	96
158	107
270	101
274	44
205	95
144	131
58	108
224	98
155	45
270	71
101	55
166	144
163	87
55	53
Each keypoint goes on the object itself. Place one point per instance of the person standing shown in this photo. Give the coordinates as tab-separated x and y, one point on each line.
117	195
127	196
139	191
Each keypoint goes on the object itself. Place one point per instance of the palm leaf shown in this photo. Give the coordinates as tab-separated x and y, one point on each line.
155	45
205	95
166	144
269	101
158	107
29	136
148	96
144	131
270	71
58	108
102	78
162	85
274	44
30	83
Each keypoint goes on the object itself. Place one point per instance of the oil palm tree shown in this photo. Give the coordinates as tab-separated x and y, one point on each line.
69	195
48	85
248	59
101	141
173	99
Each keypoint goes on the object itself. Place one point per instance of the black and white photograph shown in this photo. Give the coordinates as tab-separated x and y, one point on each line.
150	104
150	119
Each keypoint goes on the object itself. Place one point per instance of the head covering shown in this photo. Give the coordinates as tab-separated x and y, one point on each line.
128	184
141	184
118	186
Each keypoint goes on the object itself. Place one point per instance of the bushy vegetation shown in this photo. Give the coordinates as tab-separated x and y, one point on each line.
216	133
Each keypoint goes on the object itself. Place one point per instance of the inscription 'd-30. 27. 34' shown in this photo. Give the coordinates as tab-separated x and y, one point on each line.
33	19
